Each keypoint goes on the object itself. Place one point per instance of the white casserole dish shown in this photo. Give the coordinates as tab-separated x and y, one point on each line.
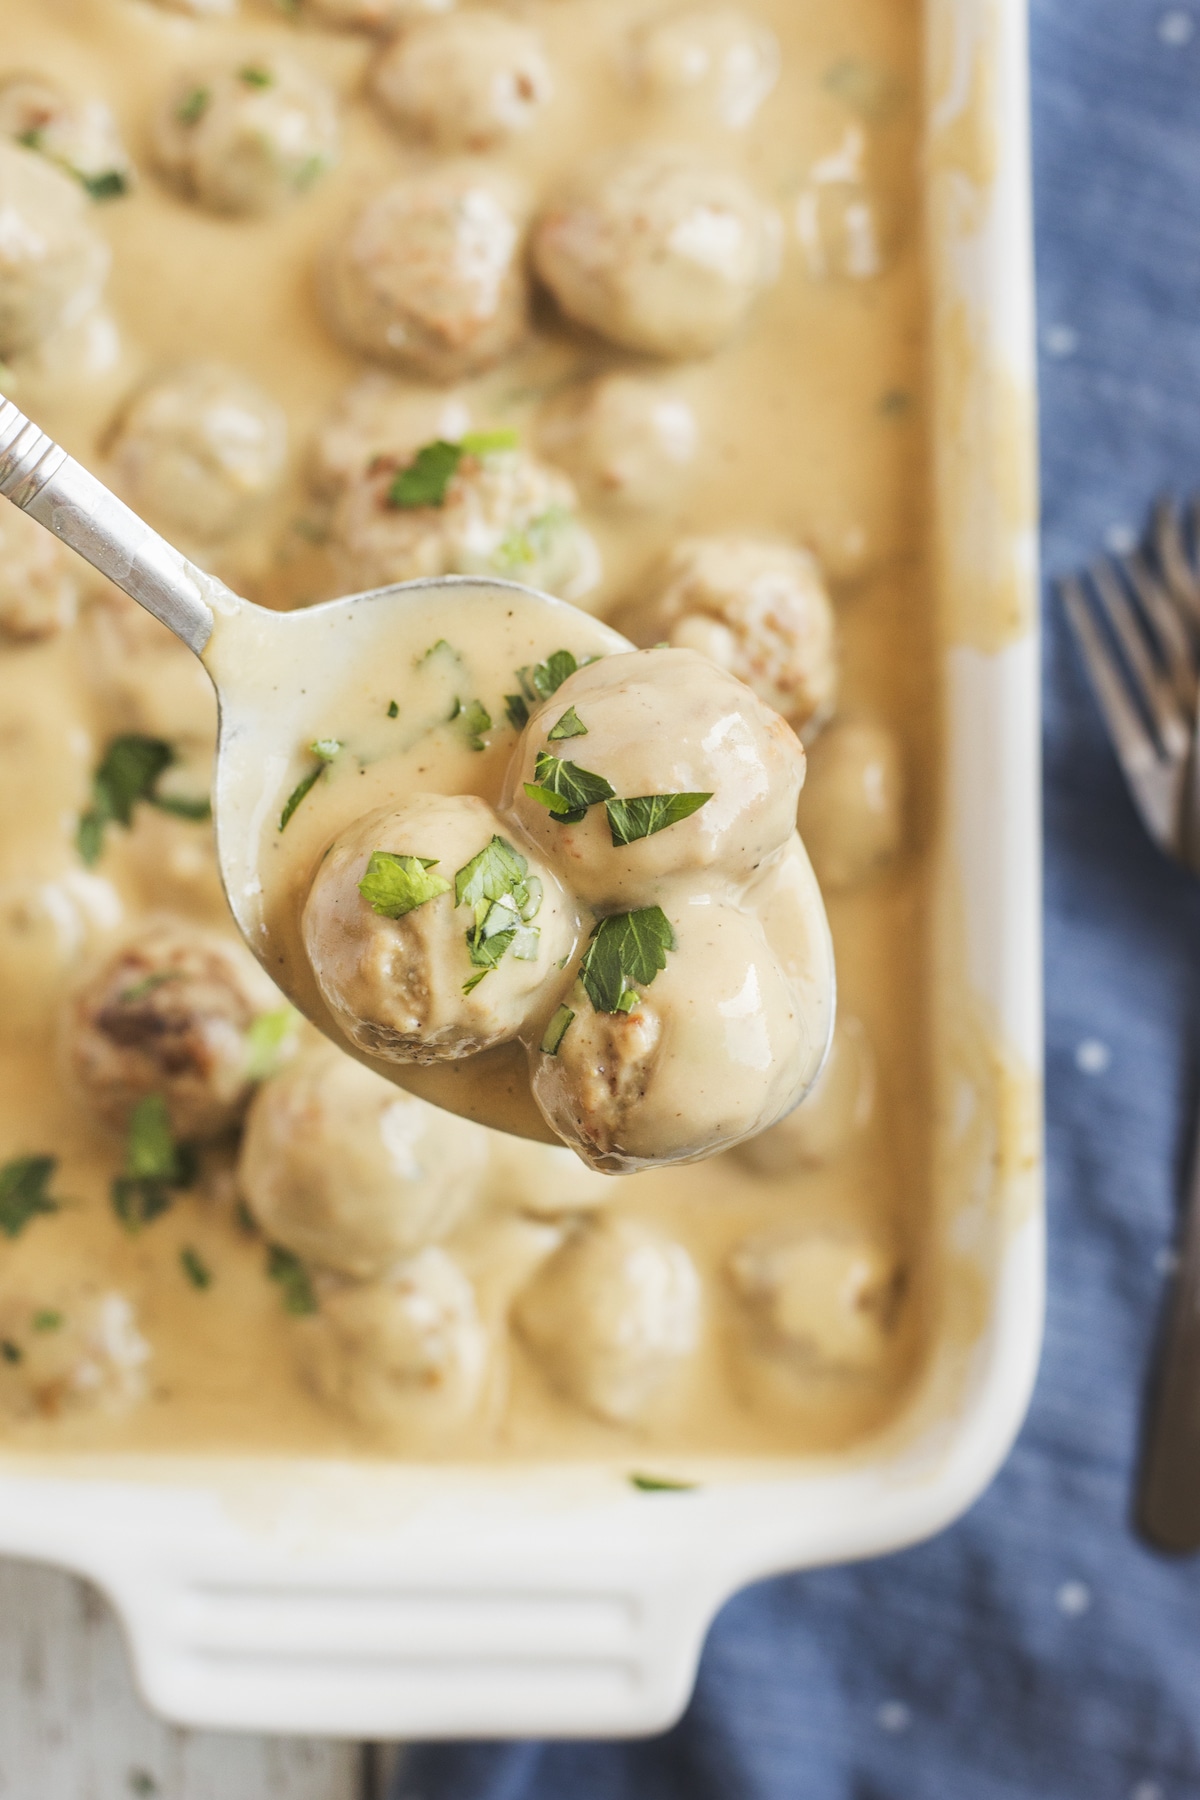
378	1602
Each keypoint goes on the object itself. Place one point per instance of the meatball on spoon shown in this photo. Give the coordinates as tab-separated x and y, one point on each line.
480	931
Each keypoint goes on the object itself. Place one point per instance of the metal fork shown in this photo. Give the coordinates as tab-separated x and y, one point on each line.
1136	619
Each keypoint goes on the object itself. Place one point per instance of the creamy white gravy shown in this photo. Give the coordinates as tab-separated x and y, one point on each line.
810	428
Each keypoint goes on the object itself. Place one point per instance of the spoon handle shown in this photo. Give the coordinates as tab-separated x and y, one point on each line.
37	475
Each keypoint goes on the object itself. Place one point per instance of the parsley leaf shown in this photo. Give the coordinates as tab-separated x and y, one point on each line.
154	1164
255	77
565	789
629	820
517	709
661	1484
474	719
625	949
540	680
556	1031
393	709
23	1184
504	897
569	726
10	1352
129	772
294	1280
109	185
195	1268
48	1319
265	1041
489	443
324	749
193	108
426	479
394	885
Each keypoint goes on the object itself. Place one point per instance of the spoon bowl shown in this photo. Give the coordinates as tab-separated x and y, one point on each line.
330	672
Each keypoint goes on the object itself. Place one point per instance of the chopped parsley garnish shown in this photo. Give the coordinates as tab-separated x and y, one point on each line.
565	789
626	952
265	1041
504	897
324	749
538	681
193	108
473	719
394	885
131	995
255	77
556	1031
629	820
426	479
10	1352
393	709
129	772
154	1165
31	139
47	1319
442	647
569	726
295	1282
109	185
195	1268
23	1196
525	545
661	1484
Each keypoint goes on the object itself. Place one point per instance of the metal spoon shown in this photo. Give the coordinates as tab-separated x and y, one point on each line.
273	673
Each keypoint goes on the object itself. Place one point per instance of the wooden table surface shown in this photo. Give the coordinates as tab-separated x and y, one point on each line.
72	1728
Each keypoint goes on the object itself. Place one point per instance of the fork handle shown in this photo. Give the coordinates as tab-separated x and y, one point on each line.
37	475
1169	1499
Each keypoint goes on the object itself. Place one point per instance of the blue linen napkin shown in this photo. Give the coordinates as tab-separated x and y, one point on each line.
1037	1649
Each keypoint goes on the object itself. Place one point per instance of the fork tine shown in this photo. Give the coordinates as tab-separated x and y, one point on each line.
1162	614
1166	535
1172	723
1154	784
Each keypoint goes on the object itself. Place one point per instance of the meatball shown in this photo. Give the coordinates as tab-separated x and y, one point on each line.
248	136
429	275
543	1179
199	449
714	1048
350	1172
46	927
627	440
829	1118
38	589
430	936
407	1355
77	1349
851	814
53	265
824	1301
148	680
612	1316
665	723
79	135
170	1012
379	416
712	60
371	15
658	252
466	80
760	610
501	513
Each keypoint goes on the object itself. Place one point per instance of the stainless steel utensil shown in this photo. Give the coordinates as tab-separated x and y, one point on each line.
1136	619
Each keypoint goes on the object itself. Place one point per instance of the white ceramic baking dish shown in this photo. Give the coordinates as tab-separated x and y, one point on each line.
384	1601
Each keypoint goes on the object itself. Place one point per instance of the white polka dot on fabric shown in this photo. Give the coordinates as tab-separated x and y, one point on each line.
1074	1599
894	1716
1060	340
1166	1261
1092	1057
1176	28
1146	1790
1120	539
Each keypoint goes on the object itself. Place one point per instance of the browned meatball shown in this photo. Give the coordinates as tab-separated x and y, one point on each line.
170	1012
